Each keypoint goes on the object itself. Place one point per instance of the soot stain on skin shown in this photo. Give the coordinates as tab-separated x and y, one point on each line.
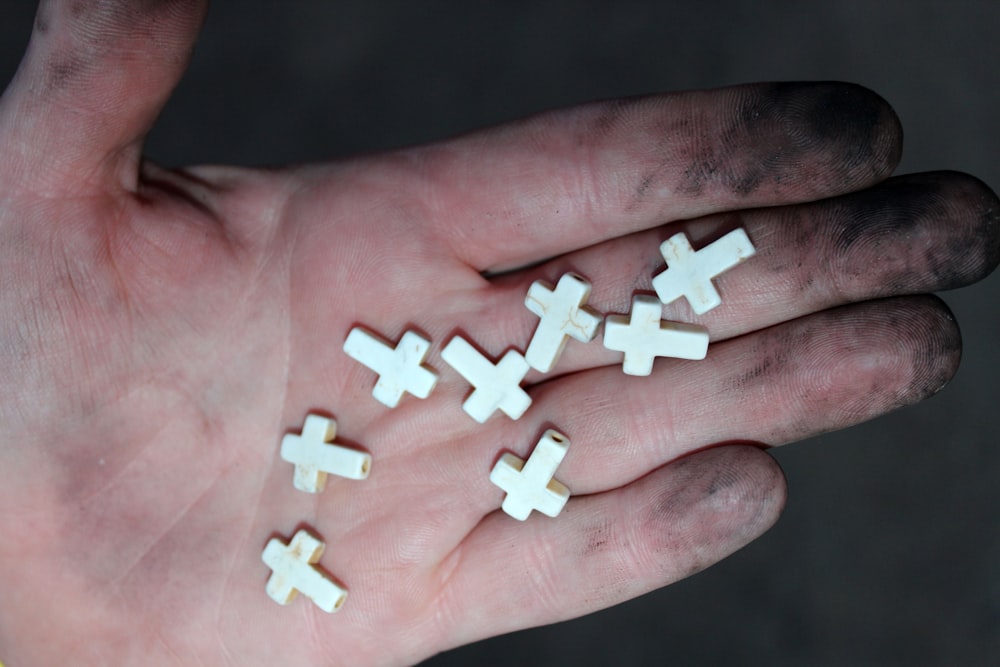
845	117
897	207
643	187
753	374
699	476
917	343
674	502
936	352
43	19
598	538
775	126
102	26
60	70
987	236
930	344
665	140
698	174
972	251
951	264
722	480
710	500
952	217
771	355
609	117
751	179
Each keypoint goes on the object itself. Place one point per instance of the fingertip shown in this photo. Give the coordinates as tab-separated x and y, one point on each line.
849	136
932	343
979	219
716	501
861	124
612	546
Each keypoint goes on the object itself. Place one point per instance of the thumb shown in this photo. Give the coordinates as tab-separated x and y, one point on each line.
95	76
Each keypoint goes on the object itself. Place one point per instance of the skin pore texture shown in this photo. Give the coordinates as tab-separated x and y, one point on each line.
162	330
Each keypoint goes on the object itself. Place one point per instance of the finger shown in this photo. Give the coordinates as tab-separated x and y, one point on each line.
568	179
909	235
94	78
608	548
824	372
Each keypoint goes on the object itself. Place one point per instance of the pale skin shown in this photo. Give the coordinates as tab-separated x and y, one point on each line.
162	329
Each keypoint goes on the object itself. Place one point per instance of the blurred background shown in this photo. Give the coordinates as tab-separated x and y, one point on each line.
889	551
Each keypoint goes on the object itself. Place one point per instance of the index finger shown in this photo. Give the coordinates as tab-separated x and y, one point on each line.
563	180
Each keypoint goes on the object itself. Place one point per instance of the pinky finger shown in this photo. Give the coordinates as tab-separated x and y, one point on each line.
611	547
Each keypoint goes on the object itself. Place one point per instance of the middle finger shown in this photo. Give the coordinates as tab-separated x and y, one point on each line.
911	234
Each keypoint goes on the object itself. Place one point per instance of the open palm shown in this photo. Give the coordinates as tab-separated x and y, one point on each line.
162	329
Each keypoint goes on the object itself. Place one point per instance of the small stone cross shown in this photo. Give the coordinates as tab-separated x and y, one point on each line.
642	336
689	273
562	314
399	369
531	484
315	456
497	386
293	571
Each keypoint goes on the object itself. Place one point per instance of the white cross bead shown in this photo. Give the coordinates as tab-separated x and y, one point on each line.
689	273
531	485
399	369
496	387
643	335
315	456
562	314
293	571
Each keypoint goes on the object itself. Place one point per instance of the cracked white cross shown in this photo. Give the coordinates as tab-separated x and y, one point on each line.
399	369
562	314
315	455
294	571
689	273
496	386
643	336
531	485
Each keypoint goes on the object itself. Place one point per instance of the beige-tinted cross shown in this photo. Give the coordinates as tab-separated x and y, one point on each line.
531	485
690	273
643	336
294	570
496	386
562	315
315	456
400	369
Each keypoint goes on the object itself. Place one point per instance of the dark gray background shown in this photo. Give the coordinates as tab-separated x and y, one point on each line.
889	551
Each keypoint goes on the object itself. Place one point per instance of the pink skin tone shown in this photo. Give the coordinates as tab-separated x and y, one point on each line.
162	329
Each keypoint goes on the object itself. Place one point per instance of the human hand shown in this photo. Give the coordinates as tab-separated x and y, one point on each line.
163	329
